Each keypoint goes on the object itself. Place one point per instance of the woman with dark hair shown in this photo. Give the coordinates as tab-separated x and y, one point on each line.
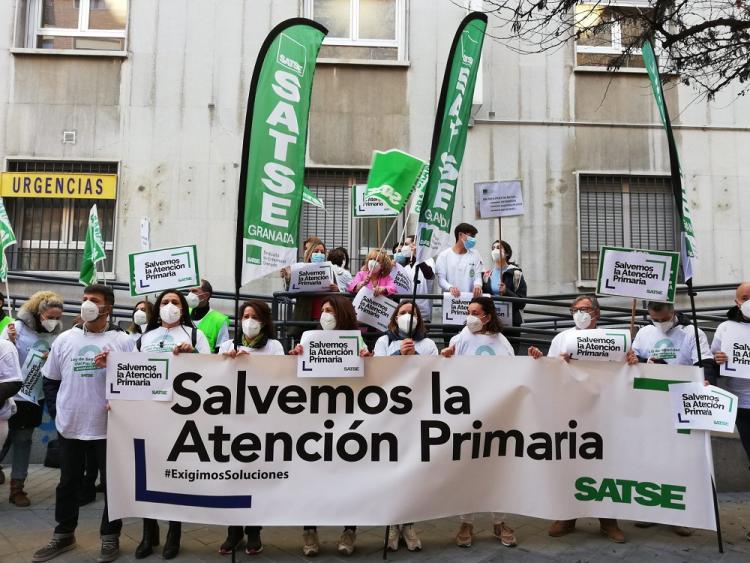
506	279
142	313
170	329
481	337
336	313
397	342
257	339
339	258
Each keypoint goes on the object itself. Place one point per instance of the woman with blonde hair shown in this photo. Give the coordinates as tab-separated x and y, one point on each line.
375	274
37	325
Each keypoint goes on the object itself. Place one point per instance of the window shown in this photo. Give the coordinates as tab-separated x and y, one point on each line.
77	24
605	29
628	211
336	226
51	231
371	30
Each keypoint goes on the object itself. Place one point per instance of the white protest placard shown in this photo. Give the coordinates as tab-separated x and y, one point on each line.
370	207
31	390
310	277
601	344
331	353
504	310
455	309
373	311
641	274
401	280
702	407
736	345
140	378
168	268
498	199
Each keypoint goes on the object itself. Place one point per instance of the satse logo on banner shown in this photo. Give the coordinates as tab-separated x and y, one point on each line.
703	407
641	274
310	277
330	353
139	380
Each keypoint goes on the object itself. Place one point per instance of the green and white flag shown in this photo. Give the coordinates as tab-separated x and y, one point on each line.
273	152
7	238
93	250
449	136
687	240
418	197
311	199
393	175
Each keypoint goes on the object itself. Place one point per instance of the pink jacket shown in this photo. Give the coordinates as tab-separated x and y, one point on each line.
384	282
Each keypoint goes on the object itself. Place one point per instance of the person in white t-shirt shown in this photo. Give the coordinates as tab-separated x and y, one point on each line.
586	312
169	330
10	384
257	339
459	268
142	313
481	336
75	389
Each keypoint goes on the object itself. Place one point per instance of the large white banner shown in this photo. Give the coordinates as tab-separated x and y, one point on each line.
542	438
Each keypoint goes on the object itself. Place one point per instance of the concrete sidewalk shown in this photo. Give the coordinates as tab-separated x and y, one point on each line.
24	530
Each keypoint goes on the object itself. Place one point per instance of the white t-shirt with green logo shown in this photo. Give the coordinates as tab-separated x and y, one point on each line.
165	339
10	370
81	402
468	343
676	347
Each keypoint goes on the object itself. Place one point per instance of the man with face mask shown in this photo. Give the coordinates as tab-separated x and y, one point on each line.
459	268
213	324
74	389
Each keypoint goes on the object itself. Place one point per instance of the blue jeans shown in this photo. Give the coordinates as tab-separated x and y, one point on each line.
19	440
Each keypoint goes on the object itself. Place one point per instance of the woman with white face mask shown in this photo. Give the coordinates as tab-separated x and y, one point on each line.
481	337
406	335
39	322
256	339
336	313
142	312
505	278
169	330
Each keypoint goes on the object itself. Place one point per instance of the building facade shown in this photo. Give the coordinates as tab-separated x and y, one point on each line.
139	106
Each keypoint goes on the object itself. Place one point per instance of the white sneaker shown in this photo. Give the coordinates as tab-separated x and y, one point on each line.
410	538
310	545
394	537
346	542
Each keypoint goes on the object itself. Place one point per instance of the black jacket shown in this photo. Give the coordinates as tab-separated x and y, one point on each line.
515	286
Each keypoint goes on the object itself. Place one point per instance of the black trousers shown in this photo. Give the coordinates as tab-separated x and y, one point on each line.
743	427
72	465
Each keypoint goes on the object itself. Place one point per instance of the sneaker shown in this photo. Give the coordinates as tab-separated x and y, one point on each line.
410	538
346	542
644	524
235	535
310	545
394	537
110	549
60	543
560	528
608	527
505	534
253	546
682	531
465	535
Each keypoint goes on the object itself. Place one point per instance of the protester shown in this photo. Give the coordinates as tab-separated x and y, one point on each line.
670	339
10	383
738	318
336	313
38	324
74	389
506	280
142	313
339	258
459	268
213	324
170	329
425	275
586	312
375	274
481	337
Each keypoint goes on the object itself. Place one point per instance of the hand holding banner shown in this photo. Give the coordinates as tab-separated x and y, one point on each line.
305	276
330	353
373	311
604	345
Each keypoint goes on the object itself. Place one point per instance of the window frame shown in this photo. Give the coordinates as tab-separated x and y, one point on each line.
34	29
399	42
582	282
616	27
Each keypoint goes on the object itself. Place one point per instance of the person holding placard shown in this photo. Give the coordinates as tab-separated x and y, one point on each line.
142	313
339	259
170	330
459	268
734	334
506	279
257	339
75	389
481	336
375	274
425	275
213	324
39	322
336	313
586	312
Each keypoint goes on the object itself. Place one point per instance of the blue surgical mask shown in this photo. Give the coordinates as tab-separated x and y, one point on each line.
470	242
400	258
317	257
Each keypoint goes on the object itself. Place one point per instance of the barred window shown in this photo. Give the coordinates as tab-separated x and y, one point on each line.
628	211
51	229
